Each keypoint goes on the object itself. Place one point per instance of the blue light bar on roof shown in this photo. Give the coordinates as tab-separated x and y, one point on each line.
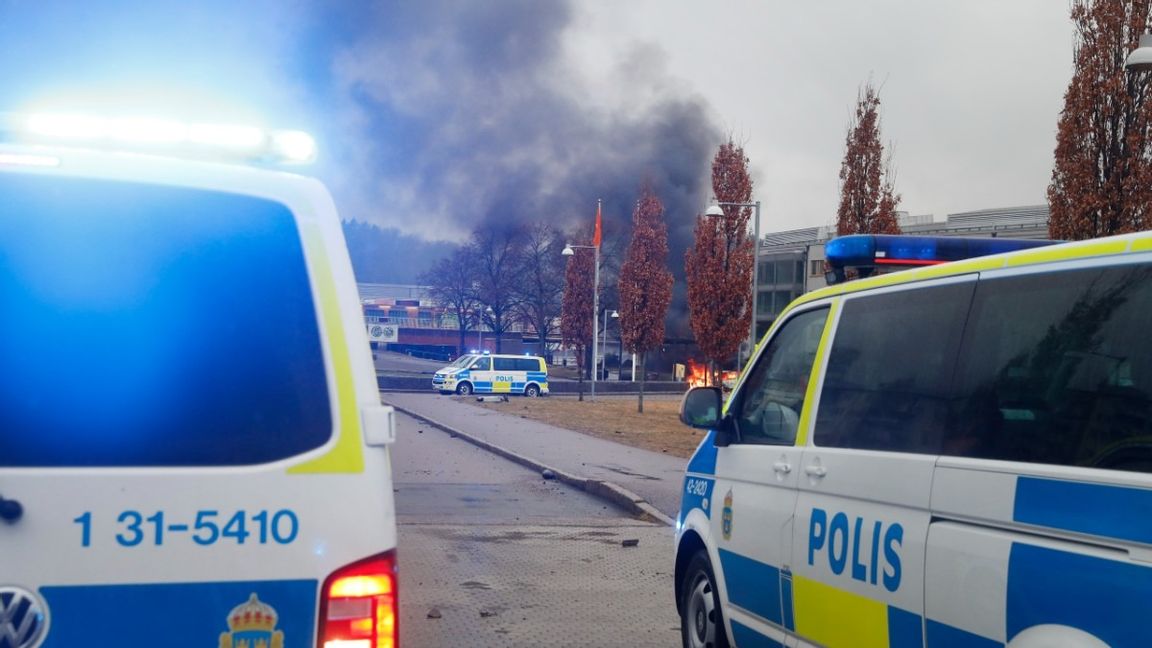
868	251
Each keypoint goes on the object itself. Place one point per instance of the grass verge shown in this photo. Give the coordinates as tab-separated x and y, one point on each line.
611	417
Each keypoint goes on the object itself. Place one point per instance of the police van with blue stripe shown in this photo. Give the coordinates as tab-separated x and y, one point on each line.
956	455
172	474
484	373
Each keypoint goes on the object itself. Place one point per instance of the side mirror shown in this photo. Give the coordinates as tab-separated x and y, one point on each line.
701	408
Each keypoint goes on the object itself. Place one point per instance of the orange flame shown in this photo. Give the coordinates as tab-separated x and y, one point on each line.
696	375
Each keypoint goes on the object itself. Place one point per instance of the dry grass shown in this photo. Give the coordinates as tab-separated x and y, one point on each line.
611	417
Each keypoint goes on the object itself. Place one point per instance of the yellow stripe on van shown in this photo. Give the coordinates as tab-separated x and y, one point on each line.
1068	252
834	617
813	378
347	455
1142	244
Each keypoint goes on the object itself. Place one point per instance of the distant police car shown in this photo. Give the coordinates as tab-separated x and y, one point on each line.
192	448
958	455
485	373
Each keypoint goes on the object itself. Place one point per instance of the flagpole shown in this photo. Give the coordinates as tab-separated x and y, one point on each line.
595	300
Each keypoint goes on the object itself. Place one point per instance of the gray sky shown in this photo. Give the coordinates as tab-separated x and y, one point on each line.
436	115
971	89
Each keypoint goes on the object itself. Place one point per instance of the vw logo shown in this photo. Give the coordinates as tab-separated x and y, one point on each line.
23	618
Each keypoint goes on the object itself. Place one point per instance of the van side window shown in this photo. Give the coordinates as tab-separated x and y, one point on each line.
503	364
772	398
527	364
1056	369
890	370
483	364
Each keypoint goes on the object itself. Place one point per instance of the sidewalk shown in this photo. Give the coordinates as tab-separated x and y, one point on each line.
645	482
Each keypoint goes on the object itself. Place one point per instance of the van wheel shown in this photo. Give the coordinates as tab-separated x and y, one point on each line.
701	624
464	389
532	391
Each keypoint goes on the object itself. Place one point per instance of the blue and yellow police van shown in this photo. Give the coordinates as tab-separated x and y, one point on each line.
493	373
954	455
172	474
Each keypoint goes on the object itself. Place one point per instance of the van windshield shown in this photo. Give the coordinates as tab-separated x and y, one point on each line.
463	361
145	325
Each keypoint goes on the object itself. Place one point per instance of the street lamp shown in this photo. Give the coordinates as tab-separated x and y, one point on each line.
604	355
715	211
1140	60
569	250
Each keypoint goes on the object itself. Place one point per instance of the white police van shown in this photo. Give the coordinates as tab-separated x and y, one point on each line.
484	373
170	473
958	455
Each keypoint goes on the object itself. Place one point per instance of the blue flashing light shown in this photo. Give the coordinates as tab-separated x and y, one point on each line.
846	250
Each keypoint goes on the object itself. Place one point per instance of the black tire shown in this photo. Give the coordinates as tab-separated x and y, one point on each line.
532	391
701	622
464	389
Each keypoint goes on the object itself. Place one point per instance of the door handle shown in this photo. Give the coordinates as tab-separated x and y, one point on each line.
782	467
815	470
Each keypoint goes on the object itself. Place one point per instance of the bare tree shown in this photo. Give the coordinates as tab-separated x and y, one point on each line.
541	280
1102	174
496	249
451	285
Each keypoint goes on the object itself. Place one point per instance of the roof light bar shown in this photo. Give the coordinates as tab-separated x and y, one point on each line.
867	251
146	134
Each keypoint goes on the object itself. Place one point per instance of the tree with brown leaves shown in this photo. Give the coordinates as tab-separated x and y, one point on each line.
1102	175
645	282
719	264
576	306
868	199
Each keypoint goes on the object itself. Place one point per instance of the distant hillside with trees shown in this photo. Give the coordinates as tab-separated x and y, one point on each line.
382	255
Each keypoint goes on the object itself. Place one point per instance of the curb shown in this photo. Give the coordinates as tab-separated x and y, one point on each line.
606	490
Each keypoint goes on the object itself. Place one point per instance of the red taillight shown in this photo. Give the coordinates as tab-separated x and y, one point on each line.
359	607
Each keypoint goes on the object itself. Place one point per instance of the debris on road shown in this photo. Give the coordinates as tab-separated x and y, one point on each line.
630	542
487	613
434	613
548	474
492	399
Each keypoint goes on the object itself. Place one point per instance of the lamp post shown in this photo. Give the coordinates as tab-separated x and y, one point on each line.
604	355
715	211
1140	59
569	250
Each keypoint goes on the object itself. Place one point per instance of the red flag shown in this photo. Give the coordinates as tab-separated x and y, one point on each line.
596	233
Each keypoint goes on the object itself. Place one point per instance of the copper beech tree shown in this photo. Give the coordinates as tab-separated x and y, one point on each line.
645	282
718	266
868	199
576	306
1102	174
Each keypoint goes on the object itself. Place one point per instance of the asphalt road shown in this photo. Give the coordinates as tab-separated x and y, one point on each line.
491	554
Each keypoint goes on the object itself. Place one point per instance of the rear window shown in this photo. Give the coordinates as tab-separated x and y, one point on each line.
145	325
1055	369
528	364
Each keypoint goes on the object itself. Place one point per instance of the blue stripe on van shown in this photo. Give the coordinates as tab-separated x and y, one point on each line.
174	615
1110	511
746	637
752	585
1105	598
942	635
905	629
703	461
